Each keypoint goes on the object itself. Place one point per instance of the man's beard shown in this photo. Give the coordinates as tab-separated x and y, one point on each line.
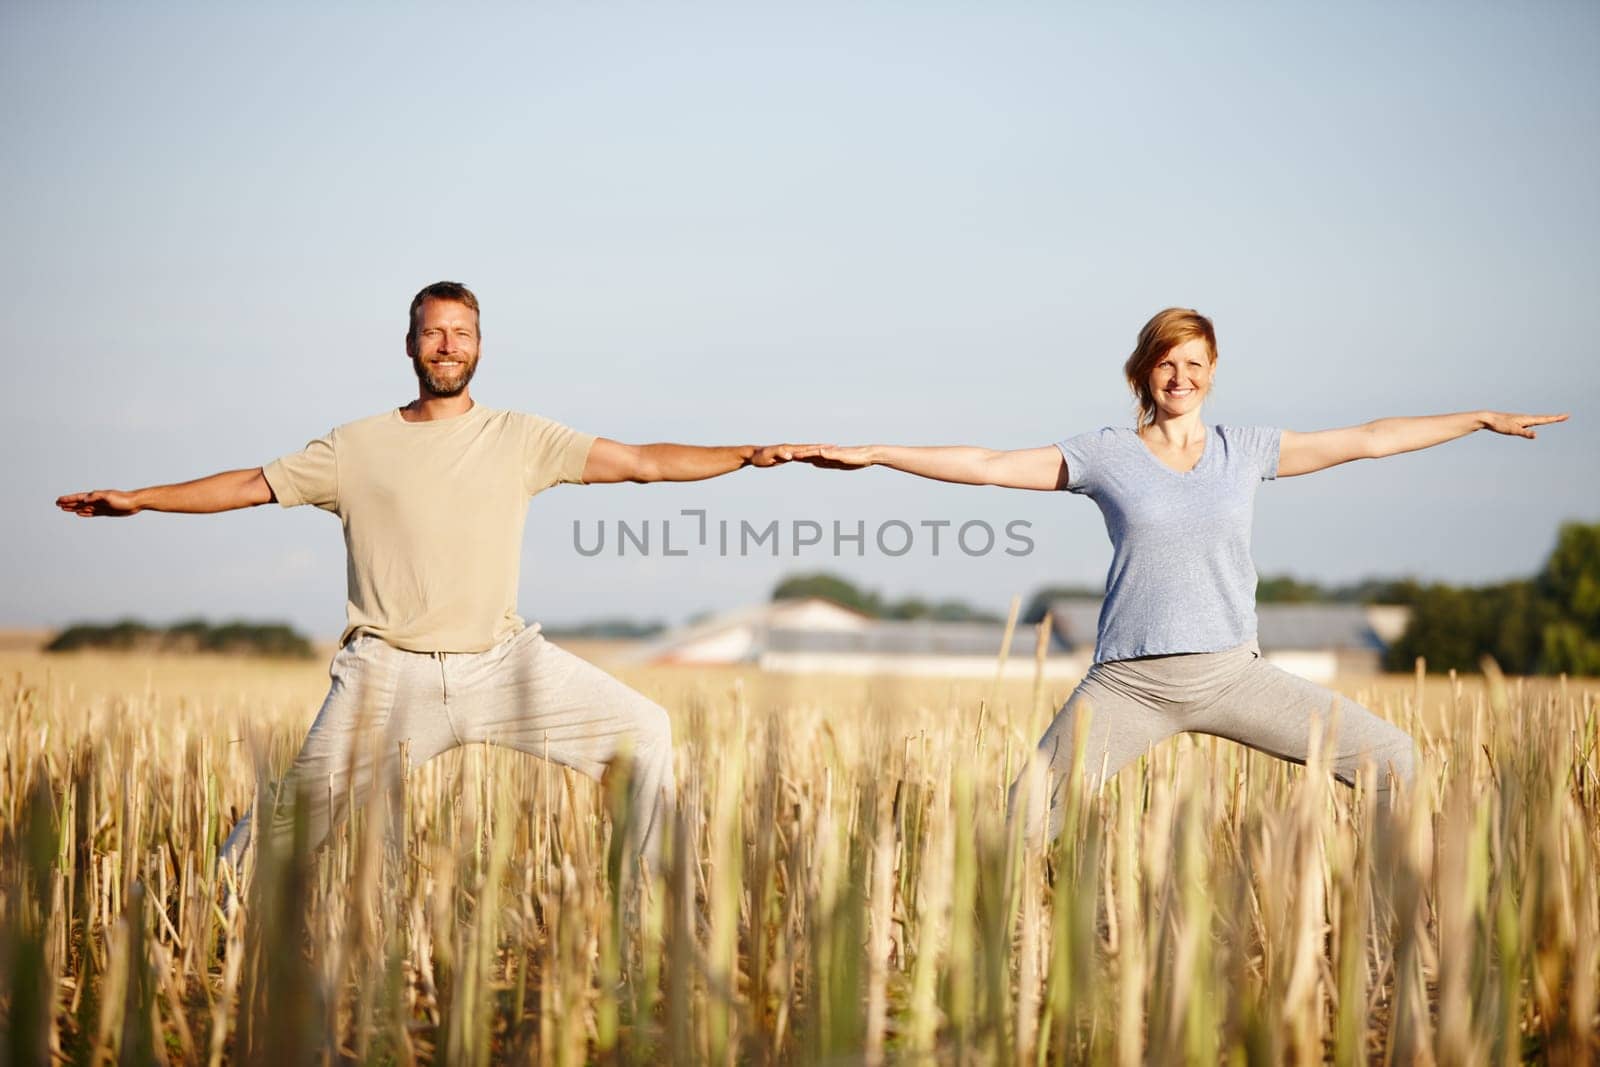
437	386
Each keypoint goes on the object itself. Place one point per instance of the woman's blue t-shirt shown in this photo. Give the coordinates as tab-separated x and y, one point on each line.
1181	577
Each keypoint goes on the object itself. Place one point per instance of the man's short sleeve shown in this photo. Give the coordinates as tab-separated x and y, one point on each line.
309	476
1260	445
553	454
1085	455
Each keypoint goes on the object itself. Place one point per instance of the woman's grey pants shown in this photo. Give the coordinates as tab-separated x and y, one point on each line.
524	693
1133	704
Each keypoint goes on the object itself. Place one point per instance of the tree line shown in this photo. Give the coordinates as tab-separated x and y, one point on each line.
193	635
868	602
1546	624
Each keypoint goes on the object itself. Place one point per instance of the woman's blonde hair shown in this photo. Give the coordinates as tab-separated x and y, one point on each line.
1160	335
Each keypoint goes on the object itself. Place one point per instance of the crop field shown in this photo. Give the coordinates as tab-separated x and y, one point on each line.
839	886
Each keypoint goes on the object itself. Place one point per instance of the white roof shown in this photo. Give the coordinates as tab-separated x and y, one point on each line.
738	635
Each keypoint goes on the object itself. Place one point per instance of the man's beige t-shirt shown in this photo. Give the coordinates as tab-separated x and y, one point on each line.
433	515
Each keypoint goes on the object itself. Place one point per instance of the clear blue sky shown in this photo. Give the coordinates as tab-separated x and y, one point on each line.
912	223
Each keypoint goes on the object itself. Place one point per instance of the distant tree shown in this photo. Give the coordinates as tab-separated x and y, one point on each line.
256	639
1287	589
1444	630
943	611
961	611
1454	628
1523	615
610	629
1569	649
1570	583
1548	624
120	636
843	592
910	608
829	587
191	635
1378	591
1284	589
1571	575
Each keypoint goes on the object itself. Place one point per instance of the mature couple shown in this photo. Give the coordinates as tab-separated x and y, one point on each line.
433	496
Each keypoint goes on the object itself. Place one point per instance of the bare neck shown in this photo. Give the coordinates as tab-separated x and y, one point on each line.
428	408
1176	431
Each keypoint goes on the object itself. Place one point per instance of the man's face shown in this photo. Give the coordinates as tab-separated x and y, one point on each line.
444	350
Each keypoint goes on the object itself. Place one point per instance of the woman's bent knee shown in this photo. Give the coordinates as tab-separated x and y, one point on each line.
1402	760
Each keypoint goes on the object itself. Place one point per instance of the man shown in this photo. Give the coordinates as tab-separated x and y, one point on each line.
433	497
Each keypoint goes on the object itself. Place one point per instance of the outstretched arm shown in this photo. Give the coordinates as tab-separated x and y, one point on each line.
1022	468
612	461
1302	453
219	492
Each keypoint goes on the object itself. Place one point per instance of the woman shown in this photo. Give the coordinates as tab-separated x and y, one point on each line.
1176	649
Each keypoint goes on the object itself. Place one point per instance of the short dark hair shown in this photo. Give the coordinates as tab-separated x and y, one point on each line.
442	291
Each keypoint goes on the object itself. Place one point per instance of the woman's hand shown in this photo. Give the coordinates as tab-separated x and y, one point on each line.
1022	468
1517	425
836	457
1303	453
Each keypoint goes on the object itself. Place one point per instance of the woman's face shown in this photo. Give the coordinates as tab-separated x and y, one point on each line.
1180	382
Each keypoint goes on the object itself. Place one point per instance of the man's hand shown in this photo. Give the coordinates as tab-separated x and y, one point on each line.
612	461
100	502
218	492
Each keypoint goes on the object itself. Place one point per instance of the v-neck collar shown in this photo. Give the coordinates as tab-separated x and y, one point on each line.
1205	450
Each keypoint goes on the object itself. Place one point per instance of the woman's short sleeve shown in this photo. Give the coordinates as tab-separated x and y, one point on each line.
1259	444
1085	457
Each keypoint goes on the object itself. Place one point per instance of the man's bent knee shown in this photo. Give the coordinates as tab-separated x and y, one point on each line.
654	729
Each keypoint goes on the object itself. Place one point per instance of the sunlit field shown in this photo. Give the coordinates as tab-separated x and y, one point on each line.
839	886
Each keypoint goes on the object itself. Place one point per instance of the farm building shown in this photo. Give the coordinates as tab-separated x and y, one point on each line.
740	636
923	647
813	635
1315	641
816	636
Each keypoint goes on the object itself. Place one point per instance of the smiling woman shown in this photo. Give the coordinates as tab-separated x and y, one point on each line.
1170	374
1172	363
1176	649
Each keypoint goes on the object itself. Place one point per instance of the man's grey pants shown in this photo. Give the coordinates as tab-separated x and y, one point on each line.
524	693
1135	703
